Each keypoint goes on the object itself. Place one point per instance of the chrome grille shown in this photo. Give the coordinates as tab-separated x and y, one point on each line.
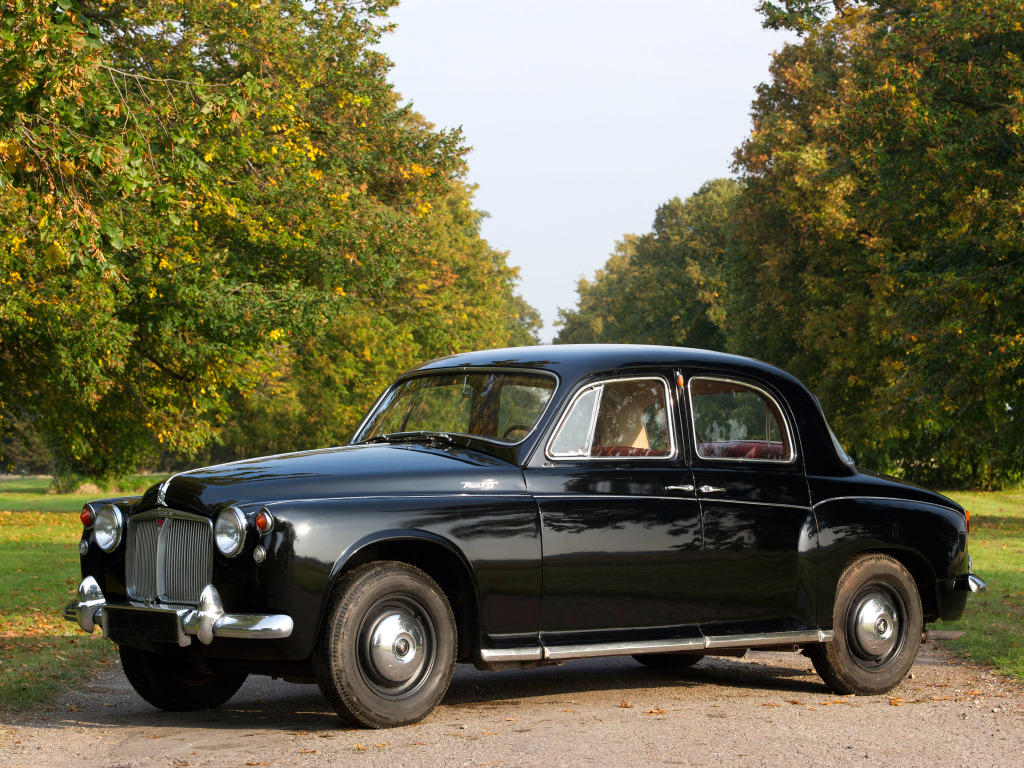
172	561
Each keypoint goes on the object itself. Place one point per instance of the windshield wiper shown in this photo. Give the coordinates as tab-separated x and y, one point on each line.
412	437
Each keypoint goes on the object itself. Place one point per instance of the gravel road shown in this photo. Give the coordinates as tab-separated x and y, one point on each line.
767	709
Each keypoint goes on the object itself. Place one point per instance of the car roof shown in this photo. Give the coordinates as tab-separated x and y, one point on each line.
574	360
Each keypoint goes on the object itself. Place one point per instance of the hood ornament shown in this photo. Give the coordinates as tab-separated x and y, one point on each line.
161	495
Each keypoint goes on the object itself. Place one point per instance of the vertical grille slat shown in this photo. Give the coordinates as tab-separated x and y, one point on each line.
172	562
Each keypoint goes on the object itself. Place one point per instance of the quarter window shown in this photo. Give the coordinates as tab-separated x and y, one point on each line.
616	419
737	421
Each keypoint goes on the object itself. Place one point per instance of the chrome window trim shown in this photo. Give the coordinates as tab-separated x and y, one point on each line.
465	369
764	393
669	420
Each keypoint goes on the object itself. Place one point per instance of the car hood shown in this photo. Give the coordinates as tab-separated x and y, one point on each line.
361	470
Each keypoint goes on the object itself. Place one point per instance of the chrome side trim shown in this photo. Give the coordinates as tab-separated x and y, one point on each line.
881	498
622	649
693	644
769	638
491	655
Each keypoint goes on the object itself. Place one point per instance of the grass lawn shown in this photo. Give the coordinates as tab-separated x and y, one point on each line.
994	620
41	654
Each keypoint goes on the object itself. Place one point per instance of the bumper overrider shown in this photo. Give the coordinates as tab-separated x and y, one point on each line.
169	623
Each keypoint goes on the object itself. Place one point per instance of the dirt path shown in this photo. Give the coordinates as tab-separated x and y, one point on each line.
768	709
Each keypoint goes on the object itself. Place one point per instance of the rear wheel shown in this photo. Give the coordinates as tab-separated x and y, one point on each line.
388	647
877	621
675	661
177	684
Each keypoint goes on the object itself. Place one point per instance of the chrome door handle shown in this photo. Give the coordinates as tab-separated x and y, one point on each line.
711	489
686	488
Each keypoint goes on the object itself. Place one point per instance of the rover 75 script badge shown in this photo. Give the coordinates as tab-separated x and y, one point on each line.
483	485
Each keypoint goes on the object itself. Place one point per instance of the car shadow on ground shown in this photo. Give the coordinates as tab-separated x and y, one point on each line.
263	703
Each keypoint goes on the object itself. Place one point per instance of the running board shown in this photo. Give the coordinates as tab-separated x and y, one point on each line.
694	644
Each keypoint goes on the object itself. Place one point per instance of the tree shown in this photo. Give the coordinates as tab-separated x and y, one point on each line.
191	193
882	187
663	287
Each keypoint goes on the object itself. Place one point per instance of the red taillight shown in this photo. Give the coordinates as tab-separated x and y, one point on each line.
967	514
88	517
264	521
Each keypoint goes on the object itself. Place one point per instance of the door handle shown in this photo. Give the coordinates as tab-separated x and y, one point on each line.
711	489
685	488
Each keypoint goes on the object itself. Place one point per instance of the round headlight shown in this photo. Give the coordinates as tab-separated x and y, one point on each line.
229	531
107	527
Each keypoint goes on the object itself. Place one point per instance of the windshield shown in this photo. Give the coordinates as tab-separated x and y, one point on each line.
498	406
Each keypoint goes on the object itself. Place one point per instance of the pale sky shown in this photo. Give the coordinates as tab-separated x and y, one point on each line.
583	115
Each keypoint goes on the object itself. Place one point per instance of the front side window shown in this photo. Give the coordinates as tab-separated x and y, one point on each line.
497	406
732	420
615	419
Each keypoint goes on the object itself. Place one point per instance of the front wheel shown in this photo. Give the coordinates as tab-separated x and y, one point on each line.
387	651
175	683
877	621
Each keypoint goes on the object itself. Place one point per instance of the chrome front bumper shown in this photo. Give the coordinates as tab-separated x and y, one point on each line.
172	623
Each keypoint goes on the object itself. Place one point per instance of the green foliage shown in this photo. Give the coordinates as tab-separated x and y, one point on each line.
196	195
663	287
876	242
883	208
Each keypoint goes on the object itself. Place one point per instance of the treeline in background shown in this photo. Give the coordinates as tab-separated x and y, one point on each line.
873	242
220	233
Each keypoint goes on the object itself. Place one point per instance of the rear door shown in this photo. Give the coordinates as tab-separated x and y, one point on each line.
760	535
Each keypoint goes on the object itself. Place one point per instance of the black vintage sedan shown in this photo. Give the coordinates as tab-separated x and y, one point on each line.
519	507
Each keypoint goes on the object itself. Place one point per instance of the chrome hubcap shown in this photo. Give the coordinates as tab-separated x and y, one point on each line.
876	626
396	647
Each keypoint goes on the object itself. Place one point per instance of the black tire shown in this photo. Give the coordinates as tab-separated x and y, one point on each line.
676	661
877	621
175	683
401	677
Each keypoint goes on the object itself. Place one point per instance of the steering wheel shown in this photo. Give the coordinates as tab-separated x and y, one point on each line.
513	428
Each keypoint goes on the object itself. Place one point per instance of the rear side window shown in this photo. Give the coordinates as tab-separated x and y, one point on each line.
737	421
621	418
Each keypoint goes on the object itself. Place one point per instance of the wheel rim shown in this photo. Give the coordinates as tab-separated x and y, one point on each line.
396	646
875	627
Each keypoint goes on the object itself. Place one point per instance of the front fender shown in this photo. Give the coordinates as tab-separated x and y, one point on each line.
496	541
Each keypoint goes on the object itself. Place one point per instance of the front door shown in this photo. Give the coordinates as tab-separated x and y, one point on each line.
621	526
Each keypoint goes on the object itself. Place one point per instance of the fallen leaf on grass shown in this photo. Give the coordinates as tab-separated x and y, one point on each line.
625	705
656	711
